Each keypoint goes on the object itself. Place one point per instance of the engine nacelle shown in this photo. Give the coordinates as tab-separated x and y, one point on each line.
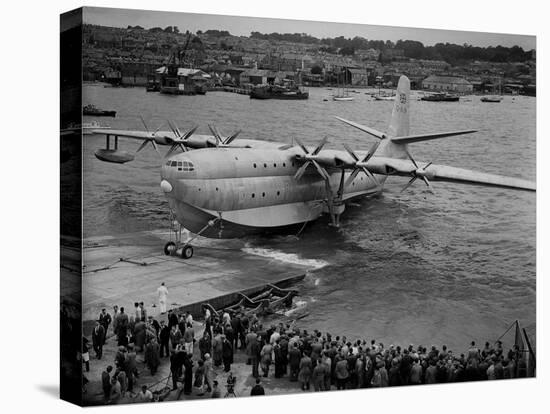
161	140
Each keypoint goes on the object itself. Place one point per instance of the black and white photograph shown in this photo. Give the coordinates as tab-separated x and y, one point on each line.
262	207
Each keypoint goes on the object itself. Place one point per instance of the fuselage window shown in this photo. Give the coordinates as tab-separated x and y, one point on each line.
284	164
173	164
254	165
265	165
263	194
275	165
253	195
180	165
278	192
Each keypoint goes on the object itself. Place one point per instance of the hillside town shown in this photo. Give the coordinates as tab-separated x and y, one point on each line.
135	56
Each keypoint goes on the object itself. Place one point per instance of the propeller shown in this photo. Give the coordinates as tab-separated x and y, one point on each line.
180	138
147	128
360	165
220	141
310	159
418	173
146	141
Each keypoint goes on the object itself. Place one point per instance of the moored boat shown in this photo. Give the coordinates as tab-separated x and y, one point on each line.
342	98
278	92
91	110
441	97
491	99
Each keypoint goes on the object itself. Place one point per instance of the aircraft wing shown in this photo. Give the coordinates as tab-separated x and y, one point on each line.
133	134
394	166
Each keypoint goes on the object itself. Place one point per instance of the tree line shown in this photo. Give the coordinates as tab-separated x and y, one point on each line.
449	52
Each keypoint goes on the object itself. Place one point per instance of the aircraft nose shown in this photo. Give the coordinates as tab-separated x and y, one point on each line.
166	186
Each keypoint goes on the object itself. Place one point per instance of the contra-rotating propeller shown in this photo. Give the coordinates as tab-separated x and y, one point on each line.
310	159
152	141
418	173
360	165
219	139
179	142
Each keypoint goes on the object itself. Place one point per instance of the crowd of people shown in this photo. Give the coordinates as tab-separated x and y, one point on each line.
314	360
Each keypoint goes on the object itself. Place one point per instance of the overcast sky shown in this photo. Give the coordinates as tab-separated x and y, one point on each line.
244	25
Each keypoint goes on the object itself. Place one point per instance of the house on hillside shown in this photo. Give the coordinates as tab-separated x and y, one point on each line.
447	83
357	76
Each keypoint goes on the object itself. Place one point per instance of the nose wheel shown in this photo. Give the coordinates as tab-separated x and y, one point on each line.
179	248
172	249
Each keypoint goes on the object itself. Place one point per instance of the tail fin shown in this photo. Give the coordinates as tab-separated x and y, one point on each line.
399	124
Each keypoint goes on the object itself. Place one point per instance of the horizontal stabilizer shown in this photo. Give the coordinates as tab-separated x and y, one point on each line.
363	128
426	137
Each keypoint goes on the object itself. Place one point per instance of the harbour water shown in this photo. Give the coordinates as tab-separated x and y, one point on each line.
411	267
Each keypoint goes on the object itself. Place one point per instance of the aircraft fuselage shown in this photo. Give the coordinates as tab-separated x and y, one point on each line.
250	189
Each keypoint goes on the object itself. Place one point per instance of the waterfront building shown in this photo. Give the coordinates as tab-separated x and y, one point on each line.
447	83
182	80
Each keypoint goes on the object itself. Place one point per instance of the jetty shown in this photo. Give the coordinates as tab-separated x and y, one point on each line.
124	269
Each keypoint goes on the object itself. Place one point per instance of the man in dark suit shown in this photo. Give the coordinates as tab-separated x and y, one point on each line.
98	339
294	357
253	352
105	320
237	327
122	323
227	354
106	383
172	319
164	337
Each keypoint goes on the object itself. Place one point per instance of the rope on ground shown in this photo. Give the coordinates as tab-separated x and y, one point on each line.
121	259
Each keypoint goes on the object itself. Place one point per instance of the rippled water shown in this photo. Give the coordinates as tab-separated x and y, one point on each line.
410	267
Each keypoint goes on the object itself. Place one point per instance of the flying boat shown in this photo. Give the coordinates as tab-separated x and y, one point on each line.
224	187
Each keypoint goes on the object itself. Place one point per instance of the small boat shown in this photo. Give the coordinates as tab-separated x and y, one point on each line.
491	99
440	97
269	300
384	98
278	92
494	98
91	110
344	95
342	98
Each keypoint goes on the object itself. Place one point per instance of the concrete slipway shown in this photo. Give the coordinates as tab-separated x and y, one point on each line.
124	269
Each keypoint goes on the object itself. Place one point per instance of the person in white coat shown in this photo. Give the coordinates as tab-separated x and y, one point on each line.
162	292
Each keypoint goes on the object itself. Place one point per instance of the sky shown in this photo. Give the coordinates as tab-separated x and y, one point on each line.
242	26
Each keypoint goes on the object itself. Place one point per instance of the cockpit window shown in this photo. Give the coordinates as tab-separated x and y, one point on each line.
181	165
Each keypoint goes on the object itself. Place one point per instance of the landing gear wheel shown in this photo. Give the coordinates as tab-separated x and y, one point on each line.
169	248
187	252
